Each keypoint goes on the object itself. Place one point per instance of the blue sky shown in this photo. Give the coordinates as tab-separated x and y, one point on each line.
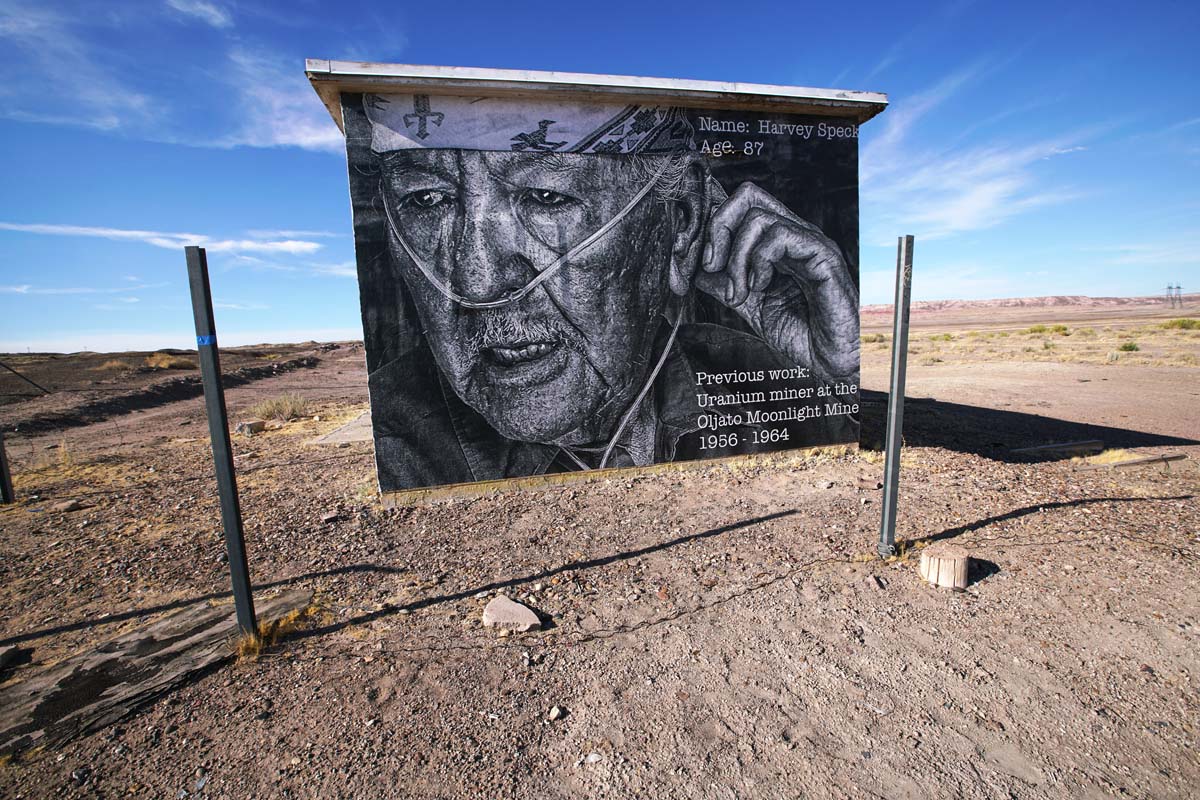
1040	148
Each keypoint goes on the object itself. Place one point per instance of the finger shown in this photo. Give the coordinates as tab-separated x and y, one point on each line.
717	248
755	226
728	218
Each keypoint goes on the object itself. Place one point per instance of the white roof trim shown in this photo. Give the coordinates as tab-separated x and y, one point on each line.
331	78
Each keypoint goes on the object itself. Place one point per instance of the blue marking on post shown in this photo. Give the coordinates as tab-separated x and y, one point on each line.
203	340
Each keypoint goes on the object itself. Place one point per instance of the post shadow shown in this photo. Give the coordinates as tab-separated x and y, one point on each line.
993	433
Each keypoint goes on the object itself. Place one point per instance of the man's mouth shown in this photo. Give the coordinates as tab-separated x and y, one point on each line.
511	355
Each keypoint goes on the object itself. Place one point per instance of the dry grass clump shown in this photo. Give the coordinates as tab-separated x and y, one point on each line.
283	408
872	338
60	457
1061	330
1182	324
250	646
169	361
1113	456
1036	329
112	365
1128	347
942	337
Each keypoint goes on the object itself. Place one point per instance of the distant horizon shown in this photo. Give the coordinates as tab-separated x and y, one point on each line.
185	341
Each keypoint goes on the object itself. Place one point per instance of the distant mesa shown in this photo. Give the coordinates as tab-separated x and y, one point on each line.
1074	301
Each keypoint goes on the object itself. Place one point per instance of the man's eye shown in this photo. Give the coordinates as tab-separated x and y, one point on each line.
426	198
545	197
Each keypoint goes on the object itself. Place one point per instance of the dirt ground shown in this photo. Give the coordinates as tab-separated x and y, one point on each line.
718	632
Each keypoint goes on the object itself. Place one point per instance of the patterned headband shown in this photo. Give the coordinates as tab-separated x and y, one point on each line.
408	122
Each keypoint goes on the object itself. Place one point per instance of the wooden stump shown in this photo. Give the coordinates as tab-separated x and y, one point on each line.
945	565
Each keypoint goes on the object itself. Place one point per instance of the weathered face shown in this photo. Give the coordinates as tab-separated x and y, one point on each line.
564	362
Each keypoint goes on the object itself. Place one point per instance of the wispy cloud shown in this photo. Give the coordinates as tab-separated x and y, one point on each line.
208	13
1183	252
114	307
346	269
228	306
73	87
27	288
882	153
172	241
85	77
942	191
960	281
278	106
292	234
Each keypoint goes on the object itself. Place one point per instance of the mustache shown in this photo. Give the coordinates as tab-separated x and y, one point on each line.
494	327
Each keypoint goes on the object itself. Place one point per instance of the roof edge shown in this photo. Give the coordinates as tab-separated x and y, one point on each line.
330	78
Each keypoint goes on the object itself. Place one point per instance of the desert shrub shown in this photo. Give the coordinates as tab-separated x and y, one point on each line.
1086	332
283	408
1182	324
1036	329
1003	334
930	361
942	337
1128	347
1028	350
169	361
112	365
871	338
1047	345
1061	330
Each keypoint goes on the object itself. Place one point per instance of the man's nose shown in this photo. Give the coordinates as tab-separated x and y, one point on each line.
488	258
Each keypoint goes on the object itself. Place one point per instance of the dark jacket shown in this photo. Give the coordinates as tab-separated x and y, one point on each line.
426	436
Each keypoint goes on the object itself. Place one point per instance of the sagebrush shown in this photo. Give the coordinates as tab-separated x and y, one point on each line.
169	361
283	408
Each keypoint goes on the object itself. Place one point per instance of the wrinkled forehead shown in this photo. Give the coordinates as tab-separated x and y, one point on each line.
593	169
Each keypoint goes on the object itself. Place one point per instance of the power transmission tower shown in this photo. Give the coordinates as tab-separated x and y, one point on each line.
1171	295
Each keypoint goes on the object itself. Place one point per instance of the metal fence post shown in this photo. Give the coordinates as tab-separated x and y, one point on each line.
895	420
218	429
6	490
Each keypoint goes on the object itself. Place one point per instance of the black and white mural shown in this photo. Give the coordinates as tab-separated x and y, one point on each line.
552	286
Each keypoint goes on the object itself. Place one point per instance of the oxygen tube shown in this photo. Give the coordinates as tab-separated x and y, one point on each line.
516	294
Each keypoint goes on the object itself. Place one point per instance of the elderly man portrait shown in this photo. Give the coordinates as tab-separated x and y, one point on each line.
547	285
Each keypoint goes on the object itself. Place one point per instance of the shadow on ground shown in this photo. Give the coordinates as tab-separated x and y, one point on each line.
384	570
990	432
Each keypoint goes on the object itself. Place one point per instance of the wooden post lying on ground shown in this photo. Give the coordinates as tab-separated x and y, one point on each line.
945	565
1135	462
100	686
1087	447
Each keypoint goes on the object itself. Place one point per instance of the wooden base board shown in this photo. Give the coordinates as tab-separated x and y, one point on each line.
463	491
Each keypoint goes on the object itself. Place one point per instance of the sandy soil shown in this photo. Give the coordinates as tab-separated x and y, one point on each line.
715	633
